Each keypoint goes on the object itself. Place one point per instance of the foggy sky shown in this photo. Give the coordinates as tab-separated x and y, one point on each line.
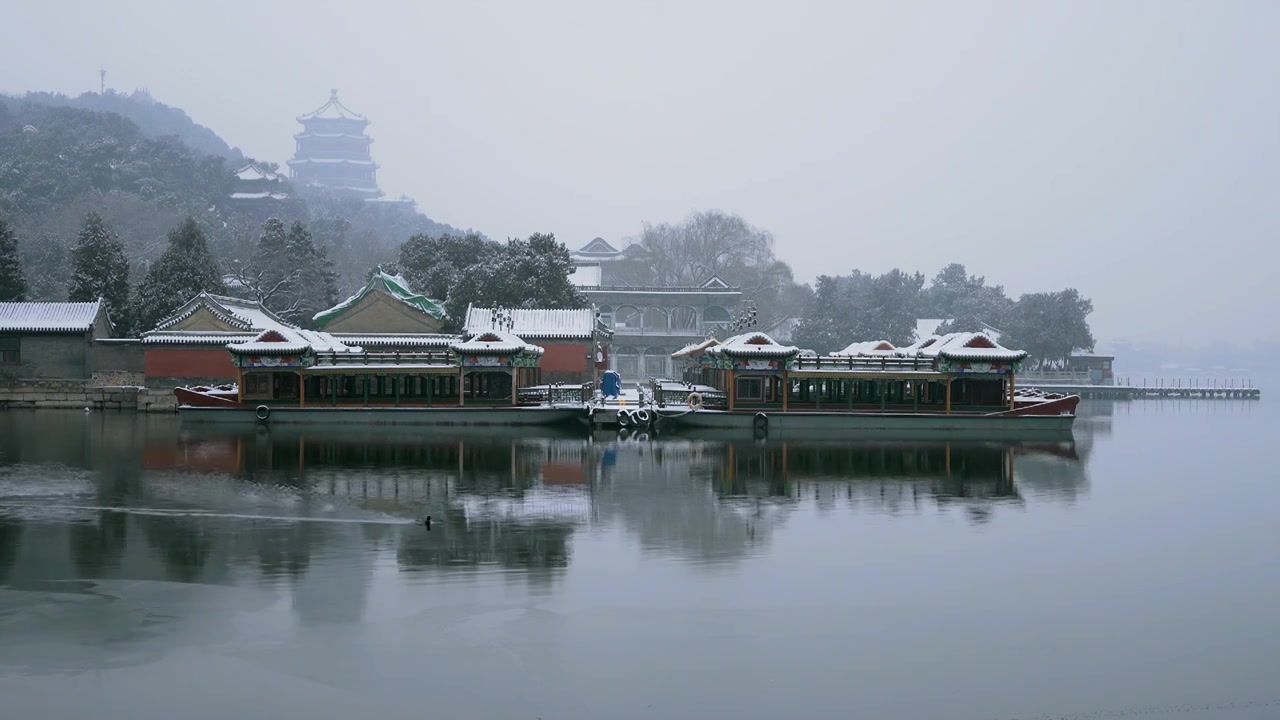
1129	149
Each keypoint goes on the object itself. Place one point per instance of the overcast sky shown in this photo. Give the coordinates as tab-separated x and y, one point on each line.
1129	149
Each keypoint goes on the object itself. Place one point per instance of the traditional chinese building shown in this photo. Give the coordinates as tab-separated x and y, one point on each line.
386	304
191	344
51	339
333	151
256	185
575	343
650	323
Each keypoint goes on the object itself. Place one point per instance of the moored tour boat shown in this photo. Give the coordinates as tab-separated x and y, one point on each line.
300	376
962	384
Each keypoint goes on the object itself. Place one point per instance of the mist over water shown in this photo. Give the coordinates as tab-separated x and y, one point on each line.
565	576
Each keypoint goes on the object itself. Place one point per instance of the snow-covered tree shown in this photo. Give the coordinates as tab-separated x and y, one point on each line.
530	273
267	276
288	274
99	269
316	287
13	284
185	270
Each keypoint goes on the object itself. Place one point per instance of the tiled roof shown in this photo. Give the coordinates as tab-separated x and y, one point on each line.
332	110
241	314
48	316
395	286
533	324
695	348
753	344
182	337
870	348
287	341
962	346
495	342
253	171
403	340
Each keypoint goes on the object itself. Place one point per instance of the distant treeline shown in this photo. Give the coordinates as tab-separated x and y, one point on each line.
93	202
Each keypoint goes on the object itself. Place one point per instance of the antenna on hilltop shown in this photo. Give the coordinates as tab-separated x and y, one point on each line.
102	82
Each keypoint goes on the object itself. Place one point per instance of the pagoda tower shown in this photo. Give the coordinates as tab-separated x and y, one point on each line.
333	151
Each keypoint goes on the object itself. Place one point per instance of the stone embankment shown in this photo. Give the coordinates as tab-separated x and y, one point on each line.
106	391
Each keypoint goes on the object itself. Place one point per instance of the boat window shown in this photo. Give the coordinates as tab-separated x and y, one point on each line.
257	385
750	388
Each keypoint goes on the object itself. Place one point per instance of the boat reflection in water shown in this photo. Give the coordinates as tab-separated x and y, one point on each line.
323	515
522	497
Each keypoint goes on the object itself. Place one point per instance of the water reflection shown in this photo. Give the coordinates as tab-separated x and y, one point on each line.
136	498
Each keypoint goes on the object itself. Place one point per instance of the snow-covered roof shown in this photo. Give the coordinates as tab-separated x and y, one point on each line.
495	342
49	316
753	345
870	348
395	286
598	246
288	341
329	161
532	323
977	346
695	348
333	110
585	276
926	327
241	314
406	340
253	171
184	337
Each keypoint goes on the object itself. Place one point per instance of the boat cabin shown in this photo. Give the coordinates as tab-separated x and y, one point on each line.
306	368
955	373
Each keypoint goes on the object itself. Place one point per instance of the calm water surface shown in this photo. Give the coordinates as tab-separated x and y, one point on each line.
152	570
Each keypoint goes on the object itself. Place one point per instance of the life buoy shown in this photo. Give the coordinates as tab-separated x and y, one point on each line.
642	417
695	401
263	412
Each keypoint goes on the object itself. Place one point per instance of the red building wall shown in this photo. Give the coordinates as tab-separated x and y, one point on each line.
202	363
563	358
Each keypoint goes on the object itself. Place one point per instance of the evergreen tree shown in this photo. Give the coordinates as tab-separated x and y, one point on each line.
185	270
530	273
99	269
315	286
269	274
13	284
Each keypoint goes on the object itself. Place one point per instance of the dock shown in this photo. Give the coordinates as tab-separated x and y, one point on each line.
1139	392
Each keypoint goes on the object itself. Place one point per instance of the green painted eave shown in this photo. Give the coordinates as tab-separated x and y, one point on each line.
386	283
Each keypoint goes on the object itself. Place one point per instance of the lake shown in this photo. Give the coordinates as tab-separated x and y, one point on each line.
154	570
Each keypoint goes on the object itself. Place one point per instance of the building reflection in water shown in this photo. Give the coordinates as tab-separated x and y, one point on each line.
316	512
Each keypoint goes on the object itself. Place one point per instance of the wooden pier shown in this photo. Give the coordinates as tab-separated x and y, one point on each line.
1135	392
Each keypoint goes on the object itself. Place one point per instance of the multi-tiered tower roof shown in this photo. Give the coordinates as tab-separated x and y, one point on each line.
333	151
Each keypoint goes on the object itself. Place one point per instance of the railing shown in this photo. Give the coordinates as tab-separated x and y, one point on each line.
329	358
1066	377
667	396
554	394
862	363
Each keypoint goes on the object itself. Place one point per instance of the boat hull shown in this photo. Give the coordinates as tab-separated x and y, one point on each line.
800	425
465	417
